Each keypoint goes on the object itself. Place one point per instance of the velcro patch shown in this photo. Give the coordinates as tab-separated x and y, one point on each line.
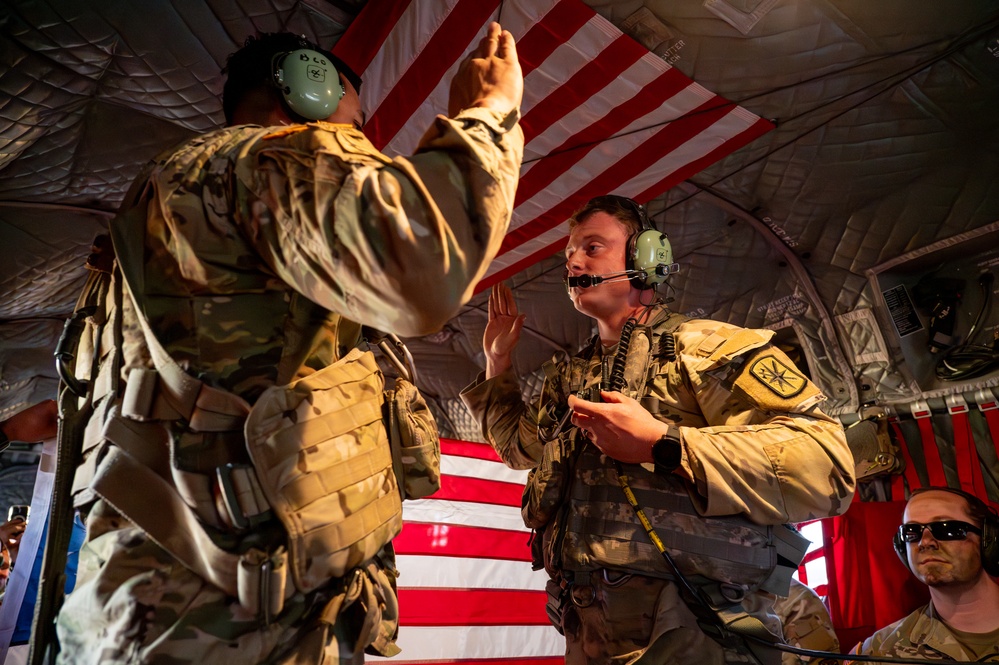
778	376
737	342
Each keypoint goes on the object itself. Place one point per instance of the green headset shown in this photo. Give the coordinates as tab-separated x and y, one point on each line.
649	250
308	81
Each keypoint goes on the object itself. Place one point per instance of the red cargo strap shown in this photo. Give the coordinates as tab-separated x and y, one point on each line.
989	406
969	471
897	488
934	467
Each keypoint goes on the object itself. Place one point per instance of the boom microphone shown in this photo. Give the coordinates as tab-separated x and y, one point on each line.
587	281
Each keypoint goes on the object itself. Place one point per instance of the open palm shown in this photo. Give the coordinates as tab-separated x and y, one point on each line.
502	331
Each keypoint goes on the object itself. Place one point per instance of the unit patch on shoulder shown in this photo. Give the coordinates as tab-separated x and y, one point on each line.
780	378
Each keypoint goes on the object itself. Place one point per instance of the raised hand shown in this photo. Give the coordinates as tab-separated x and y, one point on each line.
490	76
502	331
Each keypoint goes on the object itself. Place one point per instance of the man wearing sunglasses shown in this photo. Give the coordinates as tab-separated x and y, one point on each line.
948	541
717	435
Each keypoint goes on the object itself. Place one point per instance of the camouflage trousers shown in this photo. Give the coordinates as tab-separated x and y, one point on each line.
134	603
640	620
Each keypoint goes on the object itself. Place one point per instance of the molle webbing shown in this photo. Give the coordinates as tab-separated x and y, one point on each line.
673	536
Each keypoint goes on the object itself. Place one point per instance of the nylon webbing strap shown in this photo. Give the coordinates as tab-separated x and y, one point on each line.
206	409
911	477
689	543
989	406
969	470
745	631
931	454
164	517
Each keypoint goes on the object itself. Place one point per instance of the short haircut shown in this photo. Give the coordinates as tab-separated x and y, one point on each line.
977	508
250	66
615	206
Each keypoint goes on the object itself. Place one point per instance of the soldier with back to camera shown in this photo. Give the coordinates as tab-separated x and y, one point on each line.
949	540
715	433
238	486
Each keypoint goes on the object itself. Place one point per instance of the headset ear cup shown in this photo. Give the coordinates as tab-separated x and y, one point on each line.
900	550
629	263
309	83
652	254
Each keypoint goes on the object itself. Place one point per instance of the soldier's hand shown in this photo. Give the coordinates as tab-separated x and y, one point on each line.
502	331
490	76
619	426
10	533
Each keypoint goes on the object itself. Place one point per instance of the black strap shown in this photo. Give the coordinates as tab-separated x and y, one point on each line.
74	413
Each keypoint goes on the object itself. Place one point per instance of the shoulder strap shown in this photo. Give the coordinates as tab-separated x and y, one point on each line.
205	408
75	408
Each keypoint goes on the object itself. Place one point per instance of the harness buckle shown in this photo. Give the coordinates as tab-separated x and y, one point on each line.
261	582
240	495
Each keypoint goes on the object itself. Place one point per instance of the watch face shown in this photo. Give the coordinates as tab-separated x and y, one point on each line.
667	453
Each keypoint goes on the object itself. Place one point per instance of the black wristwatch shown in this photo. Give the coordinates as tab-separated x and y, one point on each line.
667	453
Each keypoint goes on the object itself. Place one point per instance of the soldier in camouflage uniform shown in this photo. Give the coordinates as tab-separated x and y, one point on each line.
254	254
807	625
741	449
961	621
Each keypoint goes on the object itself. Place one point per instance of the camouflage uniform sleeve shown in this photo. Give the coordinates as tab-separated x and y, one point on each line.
397	244
806	623
767	451
507	423
872	646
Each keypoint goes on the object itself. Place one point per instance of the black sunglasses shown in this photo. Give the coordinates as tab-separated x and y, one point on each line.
946	530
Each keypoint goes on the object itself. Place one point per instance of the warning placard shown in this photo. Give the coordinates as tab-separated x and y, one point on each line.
902	313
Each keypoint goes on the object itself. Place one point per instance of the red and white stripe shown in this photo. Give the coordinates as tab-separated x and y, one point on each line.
601	114
466	588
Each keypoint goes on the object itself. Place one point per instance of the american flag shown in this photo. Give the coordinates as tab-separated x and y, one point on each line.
466	588
601	115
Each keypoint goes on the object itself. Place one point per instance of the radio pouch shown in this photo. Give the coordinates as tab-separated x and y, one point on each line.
416	449
322	456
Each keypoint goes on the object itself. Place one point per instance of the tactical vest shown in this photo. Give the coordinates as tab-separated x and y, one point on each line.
574	500
299	491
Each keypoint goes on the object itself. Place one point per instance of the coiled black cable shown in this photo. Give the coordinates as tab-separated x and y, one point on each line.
621	357
970	360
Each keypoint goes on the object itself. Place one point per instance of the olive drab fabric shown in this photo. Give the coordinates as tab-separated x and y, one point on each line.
251	258
924	636
757	453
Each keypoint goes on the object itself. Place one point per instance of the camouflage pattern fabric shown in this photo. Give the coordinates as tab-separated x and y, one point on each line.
638	619
262	251
924	636
806	624
135	604
757	451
